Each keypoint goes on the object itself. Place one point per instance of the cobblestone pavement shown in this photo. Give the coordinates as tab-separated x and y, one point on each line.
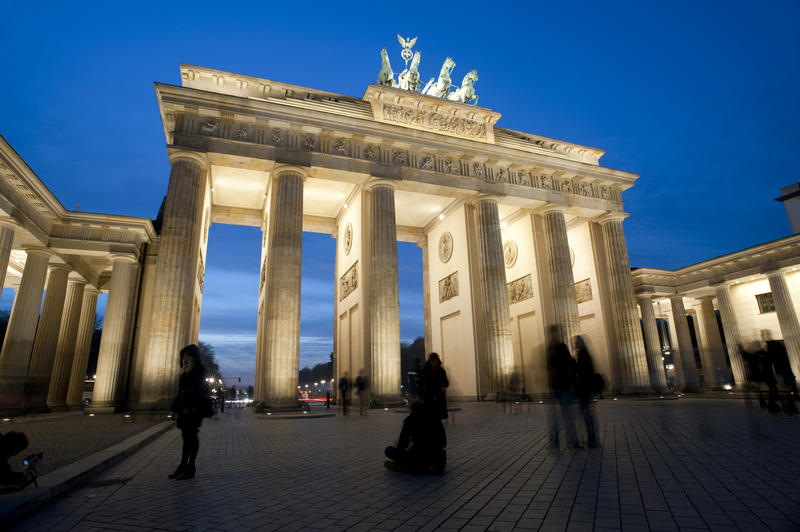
690	464
68	438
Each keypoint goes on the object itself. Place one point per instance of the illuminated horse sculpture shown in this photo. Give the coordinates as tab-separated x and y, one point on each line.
385	76
466	92
441	88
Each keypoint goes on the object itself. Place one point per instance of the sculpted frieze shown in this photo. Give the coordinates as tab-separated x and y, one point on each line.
448	287
436	122
348	282
400	157
520	289
529	178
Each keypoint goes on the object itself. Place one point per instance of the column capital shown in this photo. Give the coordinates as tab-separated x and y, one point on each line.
76	278
124	257
611	216
771	270
290	169
481	198
645	297
175	154
56	267
375	182
91	290
673	297
7	221
422	242
38	250
552	207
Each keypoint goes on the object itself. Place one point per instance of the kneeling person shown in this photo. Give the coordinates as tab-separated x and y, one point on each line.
420	448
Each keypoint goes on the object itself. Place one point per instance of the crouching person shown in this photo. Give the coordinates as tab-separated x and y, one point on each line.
11	443
420	448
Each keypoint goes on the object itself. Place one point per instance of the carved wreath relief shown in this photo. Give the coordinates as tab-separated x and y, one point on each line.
583	291
348	282
510	252
520	289
448	287
348	238
445	247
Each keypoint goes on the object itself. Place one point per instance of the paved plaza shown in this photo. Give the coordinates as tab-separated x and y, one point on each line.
688	464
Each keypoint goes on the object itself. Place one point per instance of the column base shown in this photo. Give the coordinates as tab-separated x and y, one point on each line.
280	405
101	409
391	401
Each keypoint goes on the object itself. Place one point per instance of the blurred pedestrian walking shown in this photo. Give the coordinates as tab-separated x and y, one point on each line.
344	392
362	385
587	384
562	373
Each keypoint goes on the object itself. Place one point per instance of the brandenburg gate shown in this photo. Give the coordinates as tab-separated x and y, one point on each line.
518	232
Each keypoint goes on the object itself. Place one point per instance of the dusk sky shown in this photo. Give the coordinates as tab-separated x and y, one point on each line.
699	98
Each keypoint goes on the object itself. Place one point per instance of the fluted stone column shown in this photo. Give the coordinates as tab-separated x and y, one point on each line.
494	293
733	339
565	304
718	374
426	294
281	312
83	344
175	279
113	359
384	305
40	370
684	362
21	332
6	241
632	356
787	317
655	366
65	350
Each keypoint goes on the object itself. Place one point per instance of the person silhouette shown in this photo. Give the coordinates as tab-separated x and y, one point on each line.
562	372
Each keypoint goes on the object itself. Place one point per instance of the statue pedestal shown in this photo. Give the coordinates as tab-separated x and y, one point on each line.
437	115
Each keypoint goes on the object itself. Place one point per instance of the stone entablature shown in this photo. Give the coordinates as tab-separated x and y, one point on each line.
782	253
544	178
265	90
84	241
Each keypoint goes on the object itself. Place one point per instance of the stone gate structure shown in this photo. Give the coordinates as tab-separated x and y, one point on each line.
518	232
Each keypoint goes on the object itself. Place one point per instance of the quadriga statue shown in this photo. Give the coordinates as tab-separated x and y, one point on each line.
441	88
385	76
466	92
409	78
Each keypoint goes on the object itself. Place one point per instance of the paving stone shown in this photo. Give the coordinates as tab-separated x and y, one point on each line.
663	465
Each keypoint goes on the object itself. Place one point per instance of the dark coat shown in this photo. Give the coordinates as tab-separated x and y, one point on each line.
561	368
584	378
192	398
434	383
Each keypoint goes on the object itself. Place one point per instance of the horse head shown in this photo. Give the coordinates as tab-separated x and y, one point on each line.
415	61
471	77
448	66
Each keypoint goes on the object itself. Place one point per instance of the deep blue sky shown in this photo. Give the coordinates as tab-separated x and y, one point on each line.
700	98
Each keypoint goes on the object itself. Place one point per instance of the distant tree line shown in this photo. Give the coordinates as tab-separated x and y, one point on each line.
324	370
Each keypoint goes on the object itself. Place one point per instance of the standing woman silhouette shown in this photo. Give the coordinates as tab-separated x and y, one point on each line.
189	405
